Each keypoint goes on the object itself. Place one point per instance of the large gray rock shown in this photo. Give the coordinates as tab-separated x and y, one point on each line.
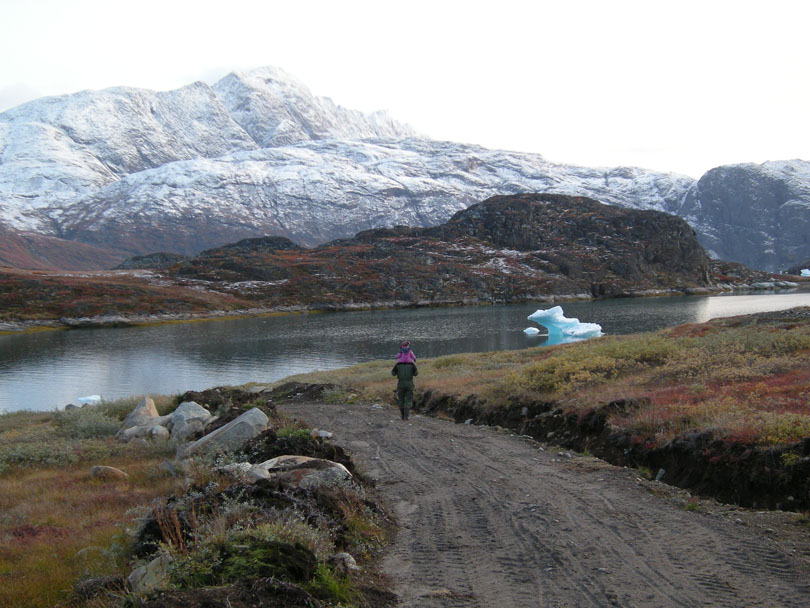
144	413
189	418
303	472
230	437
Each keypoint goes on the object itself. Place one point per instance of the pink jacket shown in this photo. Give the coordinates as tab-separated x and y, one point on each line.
407	356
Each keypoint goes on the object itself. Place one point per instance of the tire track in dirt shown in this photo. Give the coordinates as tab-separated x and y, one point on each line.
489	519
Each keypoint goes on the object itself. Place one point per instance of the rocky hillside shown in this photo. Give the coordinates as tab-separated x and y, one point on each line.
131	171
508	248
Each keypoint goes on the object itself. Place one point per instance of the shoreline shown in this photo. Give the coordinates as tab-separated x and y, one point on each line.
136	320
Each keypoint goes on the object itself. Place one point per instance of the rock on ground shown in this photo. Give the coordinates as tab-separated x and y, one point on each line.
303	472
107	473
230	437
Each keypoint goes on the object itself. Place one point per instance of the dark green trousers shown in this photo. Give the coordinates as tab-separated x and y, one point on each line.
405	400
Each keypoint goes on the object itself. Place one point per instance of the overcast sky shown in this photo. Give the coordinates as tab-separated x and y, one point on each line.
677	86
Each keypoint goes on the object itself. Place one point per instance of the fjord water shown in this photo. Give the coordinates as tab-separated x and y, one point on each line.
46	370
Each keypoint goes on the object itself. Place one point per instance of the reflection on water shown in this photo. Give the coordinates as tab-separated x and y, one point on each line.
45	370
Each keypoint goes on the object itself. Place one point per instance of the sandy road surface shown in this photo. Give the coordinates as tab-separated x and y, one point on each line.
491	520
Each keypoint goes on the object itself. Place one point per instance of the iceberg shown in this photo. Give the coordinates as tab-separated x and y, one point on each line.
531	331
562	329
90	400
806	272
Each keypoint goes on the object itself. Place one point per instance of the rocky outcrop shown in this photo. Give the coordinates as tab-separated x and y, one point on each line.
637	244
152	261
505	249
140	420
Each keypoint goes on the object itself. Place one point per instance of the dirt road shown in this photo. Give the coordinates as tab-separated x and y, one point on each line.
489	519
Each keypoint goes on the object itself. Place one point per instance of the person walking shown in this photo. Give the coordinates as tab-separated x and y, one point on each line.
405	370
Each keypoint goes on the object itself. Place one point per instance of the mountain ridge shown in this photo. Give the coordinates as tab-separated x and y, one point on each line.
136	171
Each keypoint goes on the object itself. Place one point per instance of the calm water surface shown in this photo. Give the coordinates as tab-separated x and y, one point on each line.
43	371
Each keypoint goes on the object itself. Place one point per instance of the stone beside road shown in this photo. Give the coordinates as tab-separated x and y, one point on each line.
230	437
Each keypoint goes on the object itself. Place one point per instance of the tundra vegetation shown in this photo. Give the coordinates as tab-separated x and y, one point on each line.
744	378
60	526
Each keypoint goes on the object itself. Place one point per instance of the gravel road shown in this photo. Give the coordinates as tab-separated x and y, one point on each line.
488	519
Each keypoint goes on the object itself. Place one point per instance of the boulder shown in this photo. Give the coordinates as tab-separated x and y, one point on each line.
141	415
229	437
189	418
343	563
237	470
158	433
142	431
303	472
152	576
107	473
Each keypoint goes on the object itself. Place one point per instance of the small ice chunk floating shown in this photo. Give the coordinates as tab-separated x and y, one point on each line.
89	400
562	329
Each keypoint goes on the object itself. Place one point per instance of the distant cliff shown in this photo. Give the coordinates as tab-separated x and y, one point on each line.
755	214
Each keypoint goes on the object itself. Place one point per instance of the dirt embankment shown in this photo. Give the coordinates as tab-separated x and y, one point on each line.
493	519
747	475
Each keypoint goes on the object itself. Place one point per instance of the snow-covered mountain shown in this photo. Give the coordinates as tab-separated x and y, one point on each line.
317	191
138	171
